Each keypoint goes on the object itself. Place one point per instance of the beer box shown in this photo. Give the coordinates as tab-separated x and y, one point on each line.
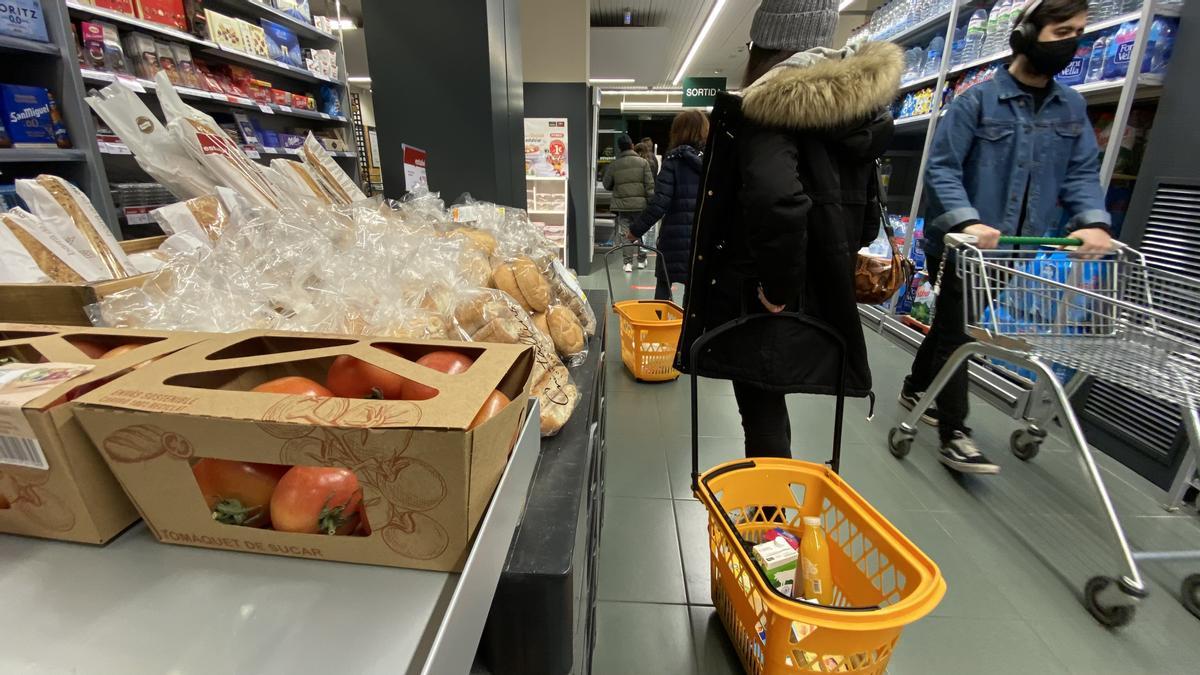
427	476
53	483
27	115
23	19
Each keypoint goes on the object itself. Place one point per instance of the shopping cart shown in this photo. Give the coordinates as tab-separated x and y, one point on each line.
649	329
1114	318
882	581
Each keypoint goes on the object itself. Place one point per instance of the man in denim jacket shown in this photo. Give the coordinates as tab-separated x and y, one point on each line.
1008	152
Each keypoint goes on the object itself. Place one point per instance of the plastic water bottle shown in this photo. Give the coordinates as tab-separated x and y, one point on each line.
1006	11
1119	51
976	32
1128	6
933	56
1095	70
1105	9
989	38
956	47
1165	45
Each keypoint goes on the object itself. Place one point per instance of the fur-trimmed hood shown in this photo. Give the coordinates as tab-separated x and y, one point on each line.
826	88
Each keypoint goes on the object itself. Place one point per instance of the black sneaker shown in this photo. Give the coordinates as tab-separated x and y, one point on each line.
961	454
909	400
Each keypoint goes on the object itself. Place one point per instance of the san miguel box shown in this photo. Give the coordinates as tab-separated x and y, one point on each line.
424	467
53	482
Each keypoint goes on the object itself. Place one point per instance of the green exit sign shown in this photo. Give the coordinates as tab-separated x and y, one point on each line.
701	92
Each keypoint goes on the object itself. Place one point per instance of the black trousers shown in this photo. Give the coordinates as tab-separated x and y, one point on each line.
765	421
947	334
662	290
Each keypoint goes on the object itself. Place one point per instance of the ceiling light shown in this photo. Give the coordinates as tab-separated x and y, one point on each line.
844	4
344	24
611	80
358	80
649	107
708	24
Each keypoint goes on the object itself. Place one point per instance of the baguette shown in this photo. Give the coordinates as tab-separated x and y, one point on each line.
89	224
51	265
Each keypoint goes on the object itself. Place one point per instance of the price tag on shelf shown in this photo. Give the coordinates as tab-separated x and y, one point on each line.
138	215
252	153
131	82
324	116
285	108
266	108
114	148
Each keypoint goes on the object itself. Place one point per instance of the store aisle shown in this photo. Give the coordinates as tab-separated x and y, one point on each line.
1015	549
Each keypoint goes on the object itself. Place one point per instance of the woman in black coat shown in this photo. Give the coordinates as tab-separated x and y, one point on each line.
790	195
675	194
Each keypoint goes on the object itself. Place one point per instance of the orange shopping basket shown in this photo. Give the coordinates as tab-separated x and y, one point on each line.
882	581
649	329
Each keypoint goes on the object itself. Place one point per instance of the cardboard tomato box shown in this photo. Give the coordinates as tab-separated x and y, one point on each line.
426	476
53	482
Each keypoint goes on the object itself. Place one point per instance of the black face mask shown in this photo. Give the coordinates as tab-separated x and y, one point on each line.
1048	58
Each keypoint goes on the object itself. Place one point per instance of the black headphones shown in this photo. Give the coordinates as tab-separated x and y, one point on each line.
1024	33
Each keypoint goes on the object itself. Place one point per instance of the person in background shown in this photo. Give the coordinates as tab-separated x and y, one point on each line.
1008	152
790	194
629	179
676	192
647	153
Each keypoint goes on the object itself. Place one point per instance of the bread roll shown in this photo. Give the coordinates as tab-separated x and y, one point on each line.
504	278
533	285
558	397
480	239
539	321
502	330
565	330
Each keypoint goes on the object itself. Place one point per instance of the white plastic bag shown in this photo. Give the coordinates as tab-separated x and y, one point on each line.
63	209
333	179
17	265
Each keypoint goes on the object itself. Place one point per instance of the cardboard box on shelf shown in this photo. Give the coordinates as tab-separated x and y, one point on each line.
224	30
166	12
53	482
122	6
427	477
63	304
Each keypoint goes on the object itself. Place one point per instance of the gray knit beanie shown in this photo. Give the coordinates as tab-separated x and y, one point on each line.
794	25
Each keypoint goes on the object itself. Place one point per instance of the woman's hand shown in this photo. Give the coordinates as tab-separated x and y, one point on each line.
774	309
630	238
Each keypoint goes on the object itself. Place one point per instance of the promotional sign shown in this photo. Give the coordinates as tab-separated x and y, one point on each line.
546	147
701	92
414	168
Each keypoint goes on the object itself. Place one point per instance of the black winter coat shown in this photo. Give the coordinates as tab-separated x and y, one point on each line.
675	194
789	197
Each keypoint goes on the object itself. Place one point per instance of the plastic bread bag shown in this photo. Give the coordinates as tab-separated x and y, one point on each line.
295	177
565	288
152	146
64	210
490	315
17	264
332	178
523	280
208	144
203	218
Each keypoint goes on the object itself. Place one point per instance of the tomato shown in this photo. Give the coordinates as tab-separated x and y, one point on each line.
446	361
316	499
92	350
355	378
491	407
119	350
238	493
293	384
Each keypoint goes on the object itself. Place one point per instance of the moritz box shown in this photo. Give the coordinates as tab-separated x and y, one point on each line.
53	483
425	473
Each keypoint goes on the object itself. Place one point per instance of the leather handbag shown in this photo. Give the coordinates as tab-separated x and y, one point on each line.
878	279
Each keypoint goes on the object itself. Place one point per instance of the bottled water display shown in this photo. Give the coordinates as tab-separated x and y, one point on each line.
933	56
1095	70
956	48
1164	43
976	32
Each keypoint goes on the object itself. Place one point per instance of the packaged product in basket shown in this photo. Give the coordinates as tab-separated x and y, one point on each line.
333	179
64	208
17	263
208	144
143	54
152	145
778	562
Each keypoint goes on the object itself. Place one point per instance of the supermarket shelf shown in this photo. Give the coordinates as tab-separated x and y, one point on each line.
871	315
912	124
975	63
546	213
96	76
1001	55
405	620
303	29
210	48
926	27
1114	21
1149	86
16	45
108	148
918	83
16	155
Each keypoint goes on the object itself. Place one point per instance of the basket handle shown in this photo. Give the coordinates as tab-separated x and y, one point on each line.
959	238
836	461
639	246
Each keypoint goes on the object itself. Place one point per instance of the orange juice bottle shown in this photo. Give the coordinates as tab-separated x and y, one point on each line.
814	563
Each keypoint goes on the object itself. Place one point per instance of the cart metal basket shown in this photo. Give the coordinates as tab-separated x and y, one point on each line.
1112	317
649	329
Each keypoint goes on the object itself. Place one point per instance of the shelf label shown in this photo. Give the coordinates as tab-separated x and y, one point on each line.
285	108
252	153
324	116
138	215
115	148
266	108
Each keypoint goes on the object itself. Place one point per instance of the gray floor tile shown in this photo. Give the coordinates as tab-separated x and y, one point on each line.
639	559
643	638
718	416
714	652
692	520
958	646
713	451
638	474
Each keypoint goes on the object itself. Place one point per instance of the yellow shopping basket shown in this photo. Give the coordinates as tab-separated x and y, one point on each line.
649	329
882	581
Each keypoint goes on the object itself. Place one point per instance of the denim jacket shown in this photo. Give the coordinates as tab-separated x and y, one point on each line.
990	145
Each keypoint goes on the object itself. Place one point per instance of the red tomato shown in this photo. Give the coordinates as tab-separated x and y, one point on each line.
92	350
238	493
446	361
491	407
316	499
354	378
293	384
119	350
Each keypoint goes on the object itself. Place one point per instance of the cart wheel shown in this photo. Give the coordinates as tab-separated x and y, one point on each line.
1111	616
899	443
1024	444
1190	595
